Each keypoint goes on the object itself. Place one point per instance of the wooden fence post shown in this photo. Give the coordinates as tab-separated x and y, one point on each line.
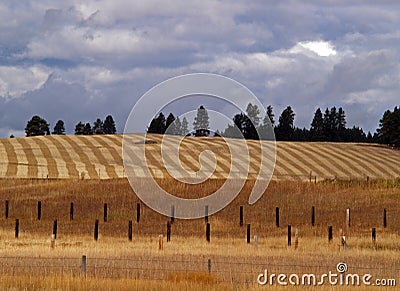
96	229
16	228
241	215
313	216
130	230
105	212
55	229
137	212
374	235
6	214
289	235
168	231
277	216
330	234
248	233
84	266
39	210
206	213
71	211
209	265
160	242
384	218
348	217
208	232
172	214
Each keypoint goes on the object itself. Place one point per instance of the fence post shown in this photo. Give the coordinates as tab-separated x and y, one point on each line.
248	233
105	212
39	210
172	214
330	234
277	216
16	228
84	266
55	229
96	229
241	215
160	242
137	212
348	217
130	230
209	265
168	231
384	218
71	211
313	216
206	213
289	235
6	214
208	232
374	235
52	241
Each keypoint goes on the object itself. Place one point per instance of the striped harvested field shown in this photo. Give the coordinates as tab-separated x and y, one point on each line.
100	156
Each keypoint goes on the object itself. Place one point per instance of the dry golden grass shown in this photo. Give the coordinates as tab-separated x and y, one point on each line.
233	260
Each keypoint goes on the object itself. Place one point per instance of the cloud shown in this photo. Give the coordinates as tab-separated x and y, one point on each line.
98	57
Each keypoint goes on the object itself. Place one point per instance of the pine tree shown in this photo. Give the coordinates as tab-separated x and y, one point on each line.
109	125
201	123
59	128
98	126
270	115
37	126
341	125
184	127
251	122
87	129
79	128
158	124
177	126
317	127
170	127
285	128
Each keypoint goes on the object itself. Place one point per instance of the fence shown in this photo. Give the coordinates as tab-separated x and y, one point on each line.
215	270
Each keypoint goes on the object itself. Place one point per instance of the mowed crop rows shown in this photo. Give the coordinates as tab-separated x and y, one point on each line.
100	157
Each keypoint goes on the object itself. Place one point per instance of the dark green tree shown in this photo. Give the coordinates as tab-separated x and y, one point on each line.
271	115
59	128
109	125
340	125
158	124
37	126
170	126
285	129
184	127
79	128
251	122
389	128
87	129
201	124
98	126
317	127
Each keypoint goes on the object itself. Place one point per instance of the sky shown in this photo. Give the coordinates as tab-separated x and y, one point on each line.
76	61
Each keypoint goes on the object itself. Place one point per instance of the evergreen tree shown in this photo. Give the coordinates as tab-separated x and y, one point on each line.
158	124
389	128
251	122
79	128
184	127
341	125
201	123
285	129
177	126
98	126
37	126
270	115
109	125
170	126
328	131
59	128
317	127
87	129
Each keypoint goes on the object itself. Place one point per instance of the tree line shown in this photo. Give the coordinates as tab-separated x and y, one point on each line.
326	126
39	126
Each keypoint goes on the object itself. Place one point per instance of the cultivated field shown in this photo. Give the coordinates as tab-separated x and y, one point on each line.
188	261
99	156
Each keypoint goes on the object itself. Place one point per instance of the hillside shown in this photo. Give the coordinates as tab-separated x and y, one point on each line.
99	156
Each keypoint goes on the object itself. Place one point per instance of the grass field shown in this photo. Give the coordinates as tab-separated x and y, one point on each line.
113	260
